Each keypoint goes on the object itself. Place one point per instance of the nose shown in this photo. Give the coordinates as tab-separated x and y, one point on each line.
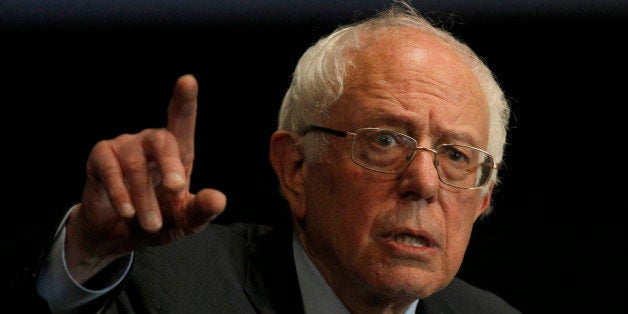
420	176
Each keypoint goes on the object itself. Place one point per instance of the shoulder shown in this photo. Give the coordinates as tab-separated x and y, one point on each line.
235	238
461	297
238	232
186	272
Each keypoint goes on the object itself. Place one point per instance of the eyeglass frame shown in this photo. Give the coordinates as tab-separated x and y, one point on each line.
353	135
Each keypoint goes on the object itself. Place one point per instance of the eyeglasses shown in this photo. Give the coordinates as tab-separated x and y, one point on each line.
385	151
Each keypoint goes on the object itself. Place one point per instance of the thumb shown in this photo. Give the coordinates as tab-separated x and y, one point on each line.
205	207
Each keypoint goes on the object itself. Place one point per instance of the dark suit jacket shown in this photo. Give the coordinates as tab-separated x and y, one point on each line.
245	268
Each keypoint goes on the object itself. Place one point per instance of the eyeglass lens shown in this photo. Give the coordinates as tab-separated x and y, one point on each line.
389	152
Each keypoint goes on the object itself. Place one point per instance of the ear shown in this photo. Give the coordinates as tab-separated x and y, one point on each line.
486	201
286	158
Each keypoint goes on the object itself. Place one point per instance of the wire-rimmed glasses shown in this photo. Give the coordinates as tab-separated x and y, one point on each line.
386	151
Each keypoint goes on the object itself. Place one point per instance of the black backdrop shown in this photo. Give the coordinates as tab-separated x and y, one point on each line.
555	238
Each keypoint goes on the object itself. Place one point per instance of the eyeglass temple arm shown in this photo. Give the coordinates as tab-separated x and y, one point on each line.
326	130
492	165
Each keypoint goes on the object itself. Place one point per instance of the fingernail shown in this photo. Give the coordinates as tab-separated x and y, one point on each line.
127	210
174	179
151	221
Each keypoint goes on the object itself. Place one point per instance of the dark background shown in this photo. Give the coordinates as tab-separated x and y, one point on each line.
75	73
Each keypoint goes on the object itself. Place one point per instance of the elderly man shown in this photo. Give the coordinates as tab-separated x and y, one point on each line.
389	140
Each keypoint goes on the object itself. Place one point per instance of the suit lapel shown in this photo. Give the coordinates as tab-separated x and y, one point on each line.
433	304
271	280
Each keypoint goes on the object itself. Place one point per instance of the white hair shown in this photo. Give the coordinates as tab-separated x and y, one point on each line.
318	79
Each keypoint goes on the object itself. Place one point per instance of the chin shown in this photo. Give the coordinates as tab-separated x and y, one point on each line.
406	281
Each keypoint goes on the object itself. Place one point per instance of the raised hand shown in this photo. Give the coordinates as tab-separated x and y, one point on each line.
137	191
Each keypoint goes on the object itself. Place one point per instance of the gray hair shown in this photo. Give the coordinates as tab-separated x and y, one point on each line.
318	79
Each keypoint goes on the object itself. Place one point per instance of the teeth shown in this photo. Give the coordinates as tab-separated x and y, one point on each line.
410	240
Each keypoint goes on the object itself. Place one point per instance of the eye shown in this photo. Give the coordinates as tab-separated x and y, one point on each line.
454	155
385	139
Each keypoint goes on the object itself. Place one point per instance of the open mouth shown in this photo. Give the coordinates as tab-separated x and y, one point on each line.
411	240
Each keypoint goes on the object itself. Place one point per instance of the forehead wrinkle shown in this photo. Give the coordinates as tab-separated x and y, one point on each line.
413	119
408	124
407	83
404	88
420	86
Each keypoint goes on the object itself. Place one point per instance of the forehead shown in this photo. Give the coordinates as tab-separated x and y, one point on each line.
412	75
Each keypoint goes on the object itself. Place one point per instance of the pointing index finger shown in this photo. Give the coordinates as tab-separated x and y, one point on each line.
182	116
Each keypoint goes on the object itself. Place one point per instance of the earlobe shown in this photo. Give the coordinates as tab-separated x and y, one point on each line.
286	158
486	201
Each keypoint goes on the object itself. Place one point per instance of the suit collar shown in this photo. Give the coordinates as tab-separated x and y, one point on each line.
271	280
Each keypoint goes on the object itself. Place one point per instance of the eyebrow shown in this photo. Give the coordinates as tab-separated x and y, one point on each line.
407	124
389	119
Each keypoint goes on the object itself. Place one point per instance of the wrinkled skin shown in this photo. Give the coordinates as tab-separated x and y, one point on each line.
350	219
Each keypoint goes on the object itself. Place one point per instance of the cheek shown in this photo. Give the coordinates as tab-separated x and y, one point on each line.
341	200
459	220
460	208
336	196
